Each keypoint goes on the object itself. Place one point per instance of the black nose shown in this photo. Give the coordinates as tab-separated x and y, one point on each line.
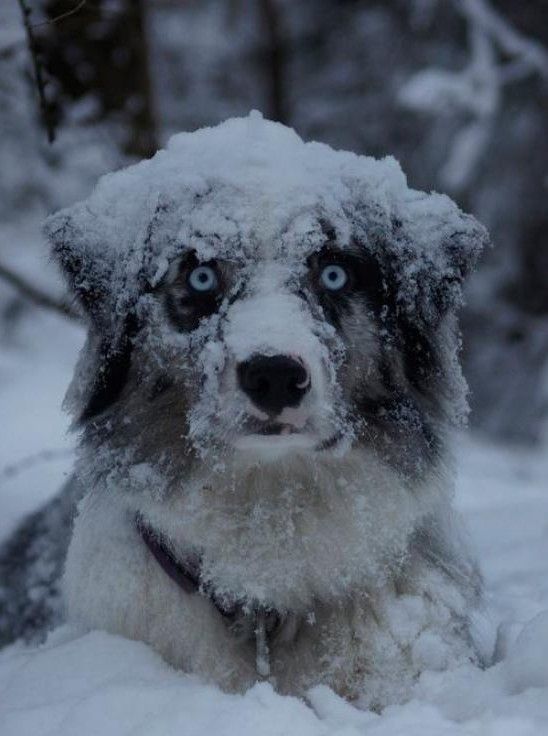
274	382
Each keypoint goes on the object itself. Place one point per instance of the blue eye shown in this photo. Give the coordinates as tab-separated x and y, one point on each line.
333	277
203	279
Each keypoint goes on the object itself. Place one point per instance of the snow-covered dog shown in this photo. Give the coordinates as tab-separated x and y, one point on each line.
265	397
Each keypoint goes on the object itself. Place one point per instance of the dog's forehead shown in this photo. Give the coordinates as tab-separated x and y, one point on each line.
259	229
249	190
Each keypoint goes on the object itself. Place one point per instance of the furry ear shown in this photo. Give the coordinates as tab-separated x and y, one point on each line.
85	263
434	246
108	300
105	247
461	251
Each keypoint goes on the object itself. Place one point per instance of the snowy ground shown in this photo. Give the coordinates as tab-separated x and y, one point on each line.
100	684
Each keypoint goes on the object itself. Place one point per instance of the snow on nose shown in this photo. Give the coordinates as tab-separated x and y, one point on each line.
274	324
271	320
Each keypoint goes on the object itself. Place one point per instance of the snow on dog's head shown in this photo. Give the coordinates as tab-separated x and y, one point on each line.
251	293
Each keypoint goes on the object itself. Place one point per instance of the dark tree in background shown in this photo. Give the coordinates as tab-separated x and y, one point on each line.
455	89
102	51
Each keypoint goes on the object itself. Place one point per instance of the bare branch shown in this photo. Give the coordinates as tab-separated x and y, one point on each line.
478	88
14	469
38	297
58	18
38	76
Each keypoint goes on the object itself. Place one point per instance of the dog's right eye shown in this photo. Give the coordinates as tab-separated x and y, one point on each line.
203	279
193	290
333	277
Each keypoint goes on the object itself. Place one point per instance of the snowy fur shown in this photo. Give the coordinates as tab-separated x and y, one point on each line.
342	526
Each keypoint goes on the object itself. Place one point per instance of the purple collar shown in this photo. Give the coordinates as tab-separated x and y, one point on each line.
187	574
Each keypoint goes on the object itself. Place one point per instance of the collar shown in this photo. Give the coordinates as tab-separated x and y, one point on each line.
187	575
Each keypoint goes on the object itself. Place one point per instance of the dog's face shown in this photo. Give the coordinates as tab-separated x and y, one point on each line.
258	327
279	352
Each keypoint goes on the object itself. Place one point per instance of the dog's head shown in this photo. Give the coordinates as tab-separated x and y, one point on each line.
251	294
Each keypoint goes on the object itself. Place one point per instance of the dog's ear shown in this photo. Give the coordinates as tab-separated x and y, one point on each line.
460	252
85	262
112	250
433	246
108	303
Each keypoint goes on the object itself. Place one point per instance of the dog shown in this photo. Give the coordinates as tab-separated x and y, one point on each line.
265	400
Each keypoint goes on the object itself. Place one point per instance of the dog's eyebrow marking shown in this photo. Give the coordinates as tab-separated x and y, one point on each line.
328	229
207	236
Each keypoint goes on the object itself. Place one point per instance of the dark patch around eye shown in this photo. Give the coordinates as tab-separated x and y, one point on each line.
187	307
329	231
373	282
366	281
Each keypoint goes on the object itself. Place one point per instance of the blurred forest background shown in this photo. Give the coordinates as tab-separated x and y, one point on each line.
457	90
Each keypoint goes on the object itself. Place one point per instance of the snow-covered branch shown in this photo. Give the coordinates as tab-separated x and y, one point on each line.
476	90
529	52
12	470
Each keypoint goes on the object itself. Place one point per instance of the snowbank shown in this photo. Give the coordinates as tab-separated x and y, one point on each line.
101	684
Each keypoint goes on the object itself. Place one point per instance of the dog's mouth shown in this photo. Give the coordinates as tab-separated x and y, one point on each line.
274	437
277	437
273	429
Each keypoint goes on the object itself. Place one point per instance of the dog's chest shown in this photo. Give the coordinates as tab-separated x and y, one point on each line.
288	545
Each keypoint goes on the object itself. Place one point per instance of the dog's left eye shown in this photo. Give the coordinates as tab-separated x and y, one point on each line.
203	279
333	277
